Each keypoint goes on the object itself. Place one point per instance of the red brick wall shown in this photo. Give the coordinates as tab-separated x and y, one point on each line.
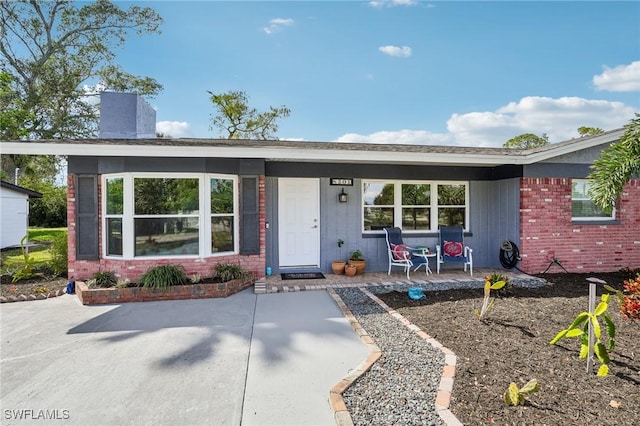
546	230
133	269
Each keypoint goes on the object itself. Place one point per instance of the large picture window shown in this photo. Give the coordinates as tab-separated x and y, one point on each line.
582	206
147	215
414	206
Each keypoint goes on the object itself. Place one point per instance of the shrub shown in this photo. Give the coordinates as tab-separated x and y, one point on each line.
164	276
25	271
59	254
104	279
229	271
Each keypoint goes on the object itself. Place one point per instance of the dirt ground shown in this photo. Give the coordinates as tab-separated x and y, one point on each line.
512	345
36	285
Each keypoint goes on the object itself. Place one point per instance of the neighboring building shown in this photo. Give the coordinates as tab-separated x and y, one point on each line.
14	213
134	203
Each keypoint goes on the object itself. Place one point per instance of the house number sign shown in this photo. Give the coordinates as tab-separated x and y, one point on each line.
342	181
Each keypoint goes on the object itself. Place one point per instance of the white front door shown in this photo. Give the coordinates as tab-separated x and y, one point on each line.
299	222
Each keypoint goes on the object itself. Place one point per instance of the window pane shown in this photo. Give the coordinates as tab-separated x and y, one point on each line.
451	217
378	194
221	234
221	196
451	195
416	195
114	237
166	196
115	196
586	208
166	236
415	218
376	218
580	190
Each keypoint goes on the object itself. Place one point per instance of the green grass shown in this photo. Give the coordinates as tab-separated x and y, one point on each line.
12	259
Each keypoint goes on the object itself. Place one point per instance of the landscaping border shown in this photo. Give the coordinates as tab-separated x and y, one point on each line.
101	296
443	397
25	298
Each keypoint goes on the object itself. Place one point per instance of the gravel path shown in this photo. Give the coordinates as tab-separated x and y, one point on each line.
400	388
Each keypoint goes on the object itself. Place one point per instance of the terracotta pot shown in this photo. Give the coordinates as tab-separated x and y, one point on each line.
350	270
338	267
359	264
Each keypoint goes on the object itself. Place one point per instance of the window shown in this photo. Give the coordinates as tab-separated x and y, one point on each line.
414	206
147	215
114	195
582	207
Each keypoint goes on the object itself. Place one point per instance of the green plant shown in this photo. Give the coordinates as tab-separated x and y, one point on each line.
41	289
123	283
25	271
487	302
580	326
59	252
356	255
340	244
164	276
229	271
514	396
497	277
104	279
195	278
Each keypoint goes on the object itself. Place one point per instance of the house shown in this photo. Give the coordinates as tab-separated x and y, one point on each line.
140	201
14	213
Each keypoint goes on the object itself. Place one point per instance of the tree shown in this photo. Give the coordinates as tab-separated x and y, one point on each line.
13	116
236	120
589	131
53	50
616	166
527	141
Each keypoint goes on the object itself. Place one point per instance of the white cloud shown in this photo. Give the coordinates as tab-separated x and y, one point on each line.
623	78
379	4
277	24
174	129
557	117
406	136
400	52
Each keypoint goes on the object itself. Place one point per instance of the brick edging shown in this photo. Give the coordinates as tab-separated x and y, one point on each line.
25	298
443	397
336	401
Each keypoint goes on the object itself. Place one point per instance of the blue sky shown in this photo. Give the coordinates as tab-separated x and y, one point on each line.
446	73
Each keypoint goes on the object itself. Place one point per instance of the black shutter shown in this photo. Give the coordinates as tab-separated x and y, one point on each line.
249	215
86	217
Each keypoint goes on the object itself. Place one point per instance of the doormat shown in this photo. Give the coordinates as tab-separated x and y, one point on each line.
302	276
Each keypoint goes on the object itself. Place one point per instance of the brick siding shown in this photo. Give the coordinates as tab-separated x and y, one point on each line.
547	231
134	268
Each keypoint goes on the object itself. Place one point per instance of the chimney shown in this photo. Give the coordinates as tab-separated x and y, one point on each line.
126	116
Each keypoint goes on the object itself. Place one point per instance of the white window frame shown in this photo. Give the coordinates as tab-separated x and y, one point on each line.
611	217
204	215
397	206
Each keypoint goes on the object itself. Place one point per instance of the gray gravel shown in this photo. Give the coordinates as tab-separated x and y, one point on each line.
400	388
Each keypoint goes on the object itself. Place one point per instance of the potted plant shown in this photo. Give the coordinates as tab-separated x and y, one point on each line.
350	270
338	265
356	260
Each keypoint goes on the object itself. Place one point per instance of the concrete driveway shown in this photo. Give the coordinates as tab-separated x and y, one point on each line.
246	359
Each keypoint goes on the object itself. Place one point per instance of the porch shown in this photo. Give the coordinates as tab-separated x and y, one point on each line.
275	284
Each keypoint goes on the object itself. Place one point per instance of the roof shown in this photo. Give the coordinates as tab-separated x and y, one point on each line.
303	151
16	188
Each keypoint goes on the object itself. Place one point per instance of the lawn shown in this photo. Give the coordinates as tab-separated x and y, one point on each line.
42	237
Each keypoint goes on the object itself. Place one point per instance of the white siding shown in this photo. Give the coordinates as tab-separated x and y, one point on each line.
14	210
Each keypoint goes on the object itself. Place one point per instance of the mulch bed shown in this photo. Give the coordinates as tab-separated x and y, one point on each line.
512	345
38	285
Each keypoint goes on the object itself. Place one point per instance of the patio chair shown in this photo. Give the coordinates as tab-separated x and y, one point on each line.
402	255
453	249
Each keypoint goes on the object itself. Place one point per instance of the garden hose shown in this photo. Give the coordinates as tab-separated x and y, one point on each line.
509	255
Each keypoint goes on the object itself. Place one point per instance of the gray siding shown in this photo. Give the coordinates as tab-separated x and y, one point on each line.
494	217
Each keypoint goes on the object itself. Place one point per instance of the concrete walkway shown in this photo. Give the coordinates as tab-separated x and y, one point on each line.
246	359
